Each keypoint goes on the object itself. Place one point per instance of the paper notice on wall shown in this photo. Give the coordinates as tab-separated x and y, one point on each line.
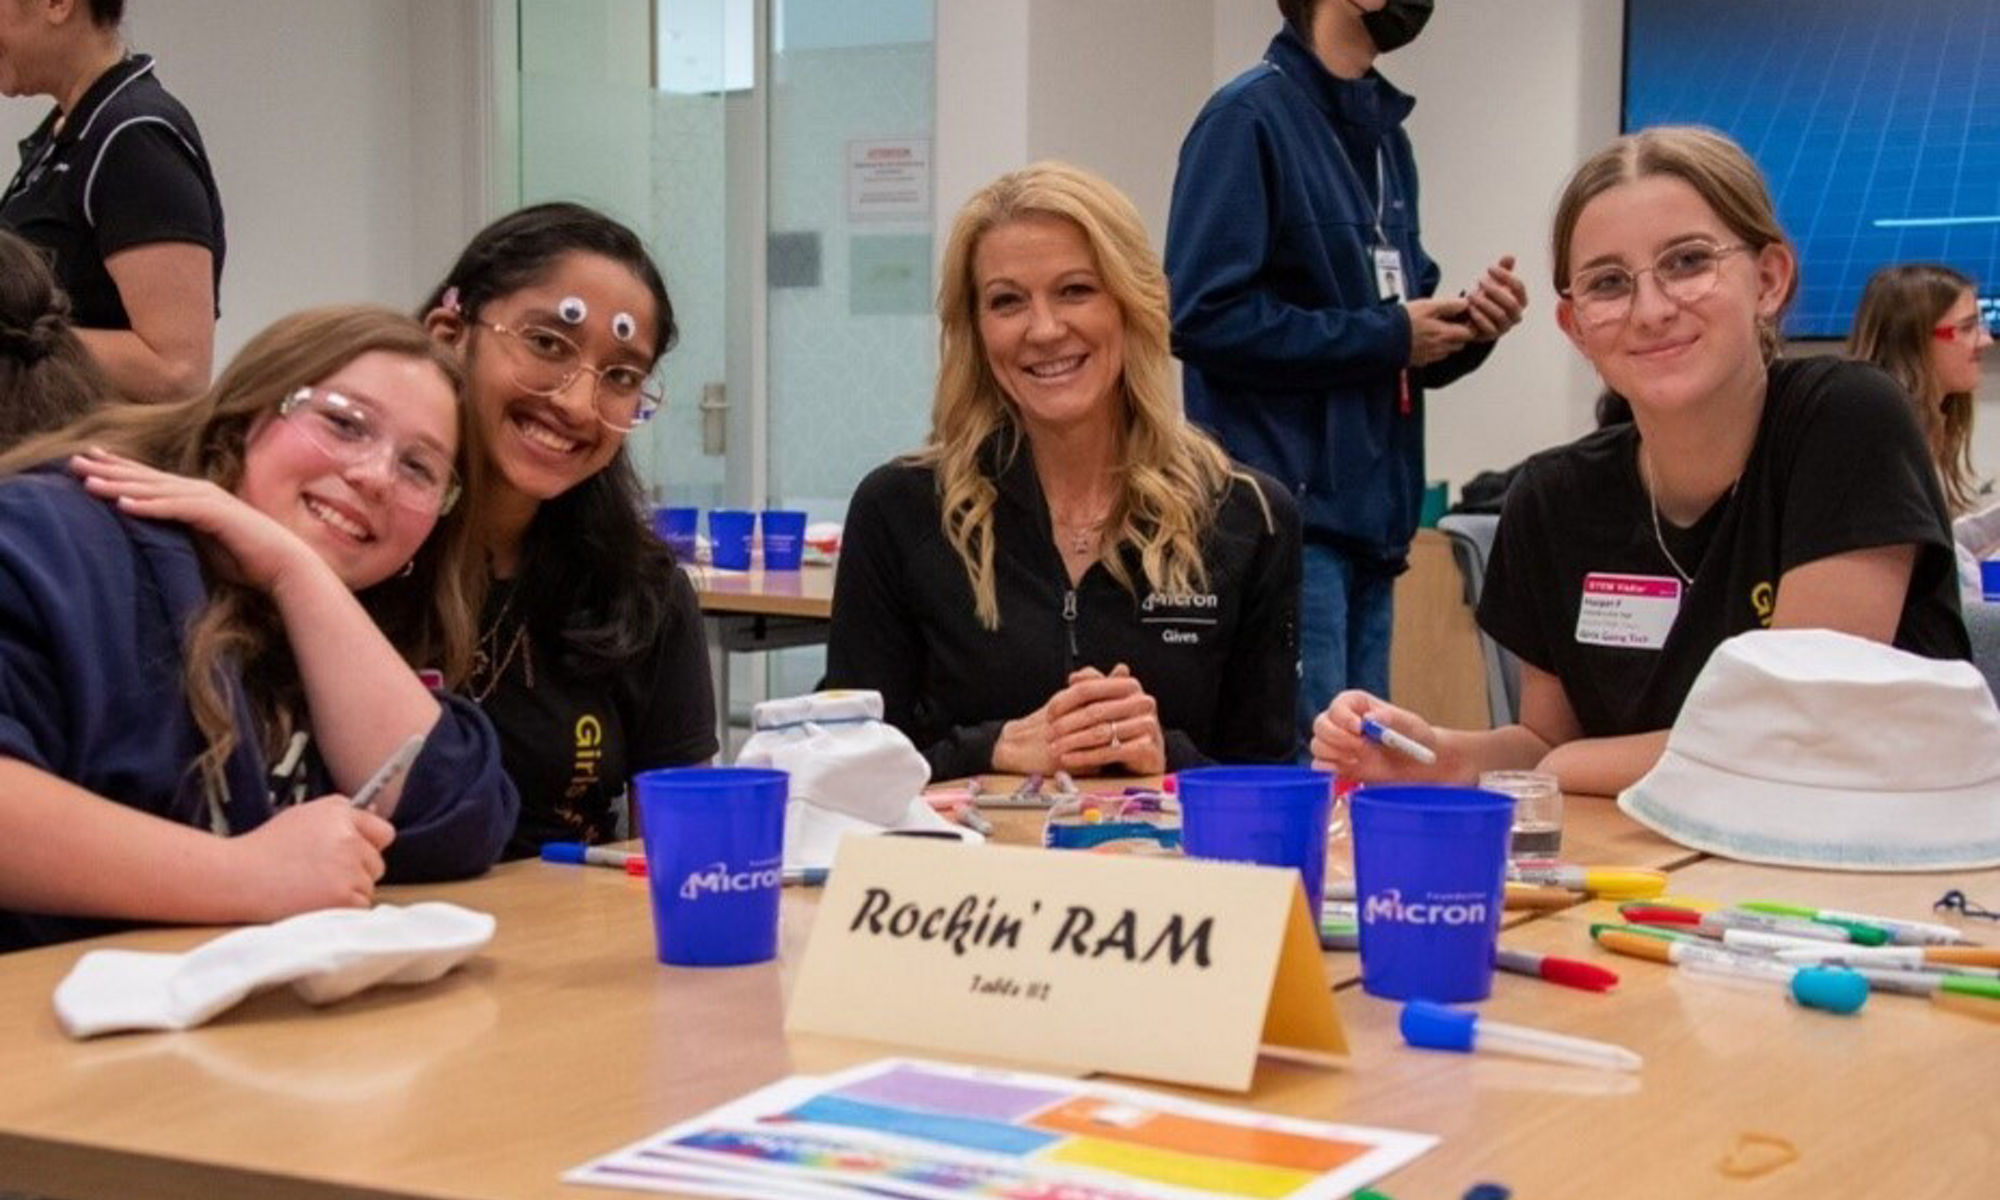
889	179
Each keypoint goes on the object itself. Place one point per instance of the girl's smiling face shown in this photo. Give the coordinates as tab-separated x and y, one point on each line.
543	445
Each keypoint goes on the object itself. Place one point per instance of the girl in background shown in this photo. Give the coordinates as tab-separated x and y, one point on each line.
1921	323
47	378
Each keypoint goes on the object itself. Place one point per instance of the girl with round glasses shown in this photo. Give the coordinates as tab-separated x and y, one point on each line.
1921	323
591	659
212	618
1748	491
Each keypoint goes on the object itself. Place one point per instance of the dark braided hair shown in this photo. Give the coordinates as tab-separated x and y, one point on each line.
47	378
594	579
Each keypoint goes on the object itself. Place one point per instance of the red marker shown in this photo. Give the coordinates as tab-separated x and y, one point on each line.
1658	914
1566	971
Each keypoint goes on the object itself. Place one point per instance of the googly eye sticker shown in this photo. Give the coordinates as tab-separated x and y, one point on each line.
572	310
623	326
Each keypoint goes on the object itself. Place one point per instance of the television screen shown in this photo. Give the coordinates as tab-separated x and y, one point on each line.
1877	124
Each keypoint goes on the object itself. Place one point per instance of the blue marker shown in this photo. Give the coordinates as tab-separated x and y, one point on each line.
1382	735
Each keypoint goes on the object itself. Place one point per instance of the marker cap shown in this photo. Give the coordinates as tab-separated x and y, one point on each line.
1437	1027
562	852
1830	989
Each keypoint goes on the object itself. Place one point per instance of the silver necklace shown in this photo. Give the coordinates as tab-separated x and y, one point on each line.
1651	480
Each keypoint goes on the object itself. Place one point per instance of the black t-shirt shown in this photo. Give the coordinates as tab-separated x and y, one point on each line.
1838	465
1222	664
127	169
571	740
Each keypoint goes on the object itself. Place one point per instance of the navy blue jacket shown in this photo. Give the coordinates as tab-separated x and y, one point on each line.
1292	359
93	605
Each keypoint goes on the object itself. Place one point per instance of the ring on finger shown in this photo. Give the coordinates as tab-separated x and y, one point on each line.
1111	733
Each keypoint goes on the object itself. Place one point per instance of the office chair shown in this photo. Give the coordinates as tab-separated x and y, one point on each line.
1471	537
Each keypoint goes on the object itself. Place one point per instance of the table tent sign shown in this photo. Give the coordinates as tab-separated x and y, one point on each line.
1160	968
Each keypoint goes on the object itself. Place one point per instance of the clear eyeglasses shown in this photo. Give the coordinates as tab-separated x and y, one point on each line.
1686	273
349	432
545	362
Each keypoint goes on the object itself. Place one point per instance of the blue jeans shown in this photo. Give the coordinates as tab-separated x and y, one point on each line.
1345	609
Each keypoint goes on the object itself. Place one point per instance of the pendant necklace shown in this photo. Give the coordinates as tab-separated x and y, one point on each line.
1652	502
486	676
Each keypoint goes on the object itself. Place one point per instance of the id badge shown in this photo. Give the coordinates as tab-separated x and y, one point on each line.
1631	612
1389	273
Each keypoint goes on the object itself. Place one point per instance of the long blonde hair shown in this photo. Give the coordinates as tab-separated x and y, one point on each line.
1172	476
1716	168
1899	308
427	614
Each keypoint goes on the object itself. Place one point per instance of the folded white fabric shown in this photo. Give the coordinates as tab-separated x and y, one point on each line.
325	956
851	772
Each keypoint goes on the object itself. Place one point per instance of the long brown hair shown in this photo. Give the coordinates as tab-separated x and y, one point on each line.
427	614
46	376
1716	168
1899	308
1173	475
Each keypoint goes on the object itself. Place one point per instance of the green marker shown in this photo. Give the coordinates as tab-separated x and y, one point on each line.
1890	929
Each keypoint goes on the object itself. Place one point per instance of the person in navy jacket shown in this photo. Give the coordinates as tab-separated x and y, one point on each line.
212	613
1305	312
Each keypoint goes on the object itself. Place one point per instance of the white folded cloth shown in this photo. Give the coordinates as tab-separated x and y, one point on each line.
851	772
326	956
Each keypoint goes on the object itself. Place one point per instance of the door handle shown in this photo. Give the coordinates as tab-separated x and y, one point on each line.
714	408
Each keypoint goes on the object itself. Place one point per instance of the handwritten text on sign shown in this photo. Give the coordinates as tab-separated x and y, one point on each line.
1022	953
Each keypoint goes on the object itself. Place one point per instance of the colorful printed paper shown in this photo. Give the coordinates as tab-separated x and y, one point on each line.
918	1130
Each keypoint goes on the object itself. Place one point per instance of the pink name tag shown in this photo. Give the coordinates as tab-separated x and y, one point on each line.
1635	612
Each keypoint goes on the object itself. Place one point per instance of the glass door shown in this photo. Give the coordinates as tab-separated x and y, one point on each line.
648	110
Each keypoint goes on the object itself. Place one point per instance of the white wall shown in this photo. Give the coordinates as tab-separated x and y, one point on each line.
1114	84
344	136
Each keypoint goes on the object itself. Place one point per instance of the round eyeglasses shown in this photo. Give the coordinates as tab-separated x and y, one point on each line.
1686	273
545	362
349	432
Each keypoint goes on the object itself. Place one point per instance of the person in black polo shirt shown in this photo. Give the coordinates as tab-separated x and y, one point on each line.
115	187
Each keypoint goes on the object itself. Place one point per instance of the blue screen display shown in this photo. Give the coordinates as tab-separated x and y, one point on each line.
1877	123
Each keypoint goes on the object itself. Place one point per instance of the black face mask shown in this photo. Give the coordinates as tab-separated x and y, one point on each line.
1397	24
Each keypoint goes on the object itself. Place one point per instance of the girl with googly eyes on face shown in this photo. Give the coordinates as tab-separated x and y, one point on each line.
591	660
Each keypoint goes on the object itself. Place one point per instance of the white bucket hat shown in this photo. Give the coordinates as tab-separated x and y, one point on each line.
1810	748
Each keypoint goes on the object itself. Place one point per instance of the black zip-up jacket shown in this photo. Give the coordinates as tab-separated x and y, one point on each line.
1222	664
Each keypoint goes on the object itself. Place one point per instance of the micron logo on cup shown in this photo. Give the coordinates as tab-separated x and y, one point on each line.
1388	905
718	879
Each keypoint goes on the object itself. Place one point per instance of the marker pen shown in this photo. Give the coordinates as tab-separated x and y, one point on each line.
1401	743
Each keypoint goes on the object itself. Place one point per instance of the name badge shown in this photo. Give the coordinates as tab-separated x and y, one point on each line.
1389	273
1632	612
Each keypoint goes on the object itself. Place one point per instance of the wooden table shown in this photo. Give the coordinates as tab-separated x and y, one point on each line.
565	1039
755	611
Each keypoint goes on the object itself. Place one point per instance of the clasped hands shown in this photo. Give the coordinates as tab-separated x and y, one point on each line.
1096	724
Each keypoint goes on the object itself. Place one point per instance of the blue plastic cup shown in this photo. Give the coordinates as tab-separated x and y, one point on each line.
784	539
1430	866
730	529
1276	816
715	857
676	527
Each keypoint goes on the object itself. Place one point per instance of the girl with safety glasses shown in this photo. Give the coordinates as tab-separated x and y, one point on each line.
1921	322
213	614
590	658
